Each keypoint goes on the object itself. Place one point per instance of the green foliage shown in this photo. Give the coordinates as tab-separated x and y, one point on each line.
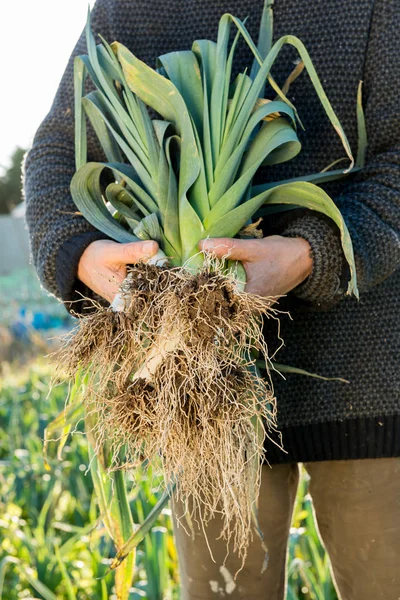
53	543
194	171
11	183
309	574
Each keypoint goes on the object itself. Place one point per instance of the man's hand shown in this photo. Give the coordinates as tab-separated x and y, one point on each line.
274	265
102	266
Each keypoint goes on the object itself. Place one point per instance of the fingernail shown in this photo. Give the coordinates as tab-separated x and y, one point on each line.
207	244
149	246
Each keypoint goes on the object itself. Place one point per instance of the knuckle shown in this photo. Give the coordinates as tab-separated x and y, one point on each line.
131	251
228	243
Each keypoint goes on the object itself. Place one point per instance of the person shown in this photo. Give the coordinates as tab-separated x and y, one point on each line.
347	435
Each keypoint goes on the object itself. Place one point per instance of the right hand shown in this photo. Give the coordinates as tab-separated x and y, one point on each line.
102	266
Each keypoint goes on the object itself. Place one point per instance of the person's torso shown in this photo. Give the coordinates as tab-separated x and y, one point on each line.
355	340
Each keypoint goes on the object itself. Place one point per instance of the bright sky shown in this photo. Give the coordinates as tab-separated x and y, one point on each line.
36	40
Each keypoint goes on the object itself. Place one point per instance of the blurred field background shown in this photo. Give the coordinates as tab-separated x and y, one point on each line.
53	544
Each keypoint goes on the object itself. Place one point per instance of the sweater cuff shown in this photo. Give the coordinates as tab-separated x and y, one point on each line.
73	292
327	283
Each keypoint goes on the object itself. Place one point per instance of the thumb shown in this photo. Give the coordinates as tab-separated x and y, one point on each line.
132	252
243	250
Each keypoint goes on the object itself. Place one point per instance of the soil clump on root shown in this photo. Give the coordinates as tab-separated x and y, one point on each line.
174	375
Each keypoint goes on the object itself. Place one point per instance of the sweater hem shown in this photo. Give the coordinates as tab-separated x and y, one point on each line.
374	437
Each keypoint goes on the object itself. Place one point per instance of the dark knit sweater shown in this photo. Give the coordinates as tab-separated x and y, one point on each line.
329	333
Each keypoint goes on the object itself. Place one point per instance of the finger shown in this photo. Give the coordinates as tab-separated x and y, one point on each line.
132	252
244	250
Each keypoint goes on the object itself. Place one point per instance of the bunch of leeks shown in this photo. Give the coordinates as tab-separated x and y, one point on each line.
172	363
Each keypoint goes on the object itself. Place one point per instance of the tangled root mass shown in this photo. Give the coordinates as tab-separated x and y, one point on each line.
174	376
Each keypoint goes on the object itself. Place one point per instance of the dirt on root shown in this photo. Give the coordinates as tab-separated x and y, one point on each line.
196	409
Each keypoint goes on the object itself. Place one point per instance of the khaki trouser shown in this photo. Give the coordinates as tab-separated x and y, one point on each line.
357	506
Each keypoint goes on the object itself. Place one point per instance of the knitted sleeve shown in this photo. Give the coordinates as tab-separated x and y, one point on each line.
51	214
370	204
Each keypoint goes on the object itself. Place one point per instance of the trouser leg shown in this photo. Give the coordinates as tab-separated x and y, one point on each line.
357	505
201	578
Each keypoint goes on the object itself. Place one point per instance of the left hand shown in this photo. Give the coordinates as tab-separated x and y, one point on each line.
274	265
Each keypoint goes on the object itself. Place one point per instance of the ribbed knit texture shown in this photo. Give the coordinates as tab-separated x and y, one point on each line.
329	264
329	334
